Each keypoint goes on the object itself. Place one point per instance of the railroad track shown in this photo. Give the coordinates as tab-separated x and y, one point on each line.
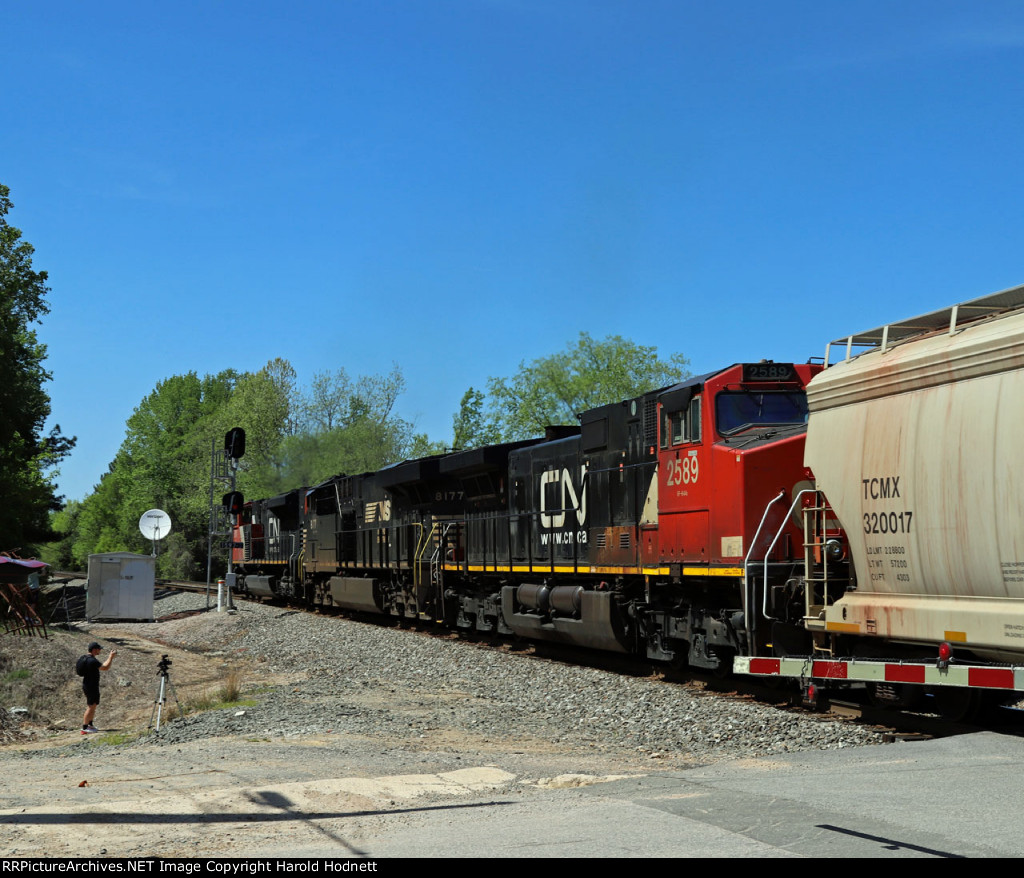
64	576
183	585
897	724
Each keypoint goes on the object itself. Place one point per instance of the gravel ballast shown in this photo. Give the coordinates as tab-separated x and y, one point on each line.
314	675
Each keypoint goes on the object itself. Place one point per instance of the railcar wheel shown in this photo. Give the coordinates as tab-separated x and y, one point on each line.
958	704
725	656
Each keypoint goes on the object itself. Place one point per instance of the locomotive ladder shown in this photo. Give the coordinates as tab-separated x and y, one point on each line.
421	550
436	556
434	540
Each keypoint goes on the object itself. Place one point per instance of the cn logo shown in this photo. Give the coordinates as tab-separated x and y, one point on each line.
563	497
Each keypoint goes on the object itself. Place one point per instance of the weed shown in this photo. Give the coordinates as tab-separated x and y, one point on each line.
231	688
22	674
214	702
227	695
176	710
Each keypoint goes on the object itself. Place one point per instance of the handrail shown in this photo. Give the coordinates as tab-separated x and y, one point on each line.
421	548
792	508
746	562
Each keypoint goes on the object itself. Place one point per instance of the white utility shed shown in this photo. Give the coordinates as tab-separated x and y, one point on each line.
120	587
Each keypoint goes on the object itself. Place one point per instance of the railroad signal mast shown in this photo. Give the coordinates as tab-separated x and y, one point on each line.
223	472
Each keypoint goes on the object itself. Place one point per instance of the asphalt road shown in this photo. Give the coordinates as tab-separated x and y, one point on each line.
338	797
956	797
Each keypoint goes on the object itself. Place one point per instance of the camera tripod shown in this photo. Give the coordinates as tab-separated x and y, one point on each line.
62	608
163	688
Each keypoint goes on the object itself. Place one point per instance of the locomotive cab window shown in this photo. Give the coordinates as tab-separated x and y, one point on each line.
743	409
682	426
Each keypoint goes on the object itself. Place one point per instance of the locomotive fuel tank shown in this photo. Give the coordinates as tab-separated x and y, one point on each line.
916	445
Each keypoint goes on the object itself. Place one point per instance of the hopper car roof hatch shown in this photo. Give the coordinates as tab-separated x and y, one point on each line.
949	319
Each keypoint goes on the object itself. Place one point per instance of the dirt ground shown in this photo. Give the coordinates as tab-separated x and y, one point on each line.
52	692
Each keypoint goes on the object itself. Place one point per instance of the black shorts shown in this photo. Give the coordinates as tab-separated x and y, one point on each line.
92	695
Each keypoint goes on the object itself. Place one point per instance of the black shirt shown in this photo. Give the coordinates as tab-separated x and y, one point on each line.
91	677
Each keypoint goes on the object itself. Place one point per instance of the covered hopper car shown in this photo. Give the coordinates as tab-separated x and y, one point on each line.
912	438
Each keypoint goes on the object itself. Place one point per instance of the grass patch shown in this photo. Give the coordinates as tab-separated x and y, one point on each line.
114	739
19	689
228	694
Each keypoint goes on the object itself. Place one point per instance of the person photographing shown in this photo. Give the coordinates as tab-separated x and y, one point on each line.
88	668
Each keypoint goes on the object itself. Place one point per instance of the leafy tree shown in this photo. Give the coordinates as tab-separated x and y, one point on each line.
324	406
103	524
281	375
555	389
164	461
27	457
471	426
263	404
293	438
422	445
64	525
161	463
349	426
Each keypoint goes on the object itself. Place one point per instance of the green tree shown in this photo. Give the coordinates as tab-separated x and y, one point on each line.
293	438
103	523
64	525
263	404
348	426
471	426
326	403
588	373
164	461
27	457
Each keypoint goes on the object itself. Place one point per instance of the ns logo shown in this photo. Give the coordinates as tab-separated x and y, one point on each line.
558	497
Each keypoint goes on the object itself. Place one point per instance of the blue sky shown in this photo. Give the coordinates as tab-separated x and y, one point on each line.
459	185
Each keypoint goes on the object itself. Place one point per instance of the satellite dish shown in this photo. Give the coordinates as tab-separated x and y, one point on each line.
155	524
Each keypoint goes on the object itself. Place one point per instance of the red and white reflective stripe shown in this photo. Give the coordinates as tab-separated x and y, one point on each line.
1009	678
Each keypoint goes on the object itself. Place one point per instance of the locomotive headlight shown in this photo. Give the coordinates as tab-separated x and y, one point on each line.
834	550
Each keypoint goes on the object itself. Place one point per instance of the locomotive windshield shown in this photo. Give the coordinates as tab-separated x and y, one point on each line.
741	410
